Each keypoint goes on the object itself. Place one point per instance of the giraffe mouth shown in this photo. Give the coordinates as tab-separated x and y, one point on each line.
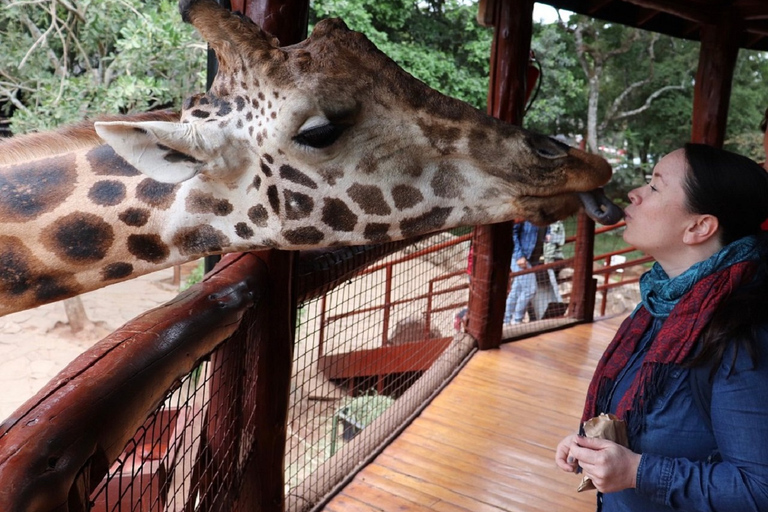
599	208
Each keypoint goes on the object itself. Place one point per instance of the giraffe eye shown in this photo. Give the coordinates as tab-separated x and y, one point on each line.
320	136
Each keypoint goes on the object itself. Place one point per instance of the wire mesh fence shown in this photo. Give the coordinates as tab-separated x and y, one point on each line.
367	355
363	357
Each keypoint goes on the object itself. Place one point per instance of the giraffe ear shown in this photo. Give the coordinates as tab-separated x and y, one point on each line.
166	152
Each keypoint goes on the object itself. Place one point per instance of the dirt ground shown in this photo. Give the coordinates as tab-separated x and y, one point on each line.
36	344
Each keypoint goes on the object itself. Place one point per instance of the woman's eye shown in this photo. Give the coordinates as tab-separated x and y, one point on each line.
320	136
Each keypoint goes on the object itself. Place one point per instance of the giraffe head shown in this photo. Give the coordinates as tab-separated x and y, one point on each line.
329	142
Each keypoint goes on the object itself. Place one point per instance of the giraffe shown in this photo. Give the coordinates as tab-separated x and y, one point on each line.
323	143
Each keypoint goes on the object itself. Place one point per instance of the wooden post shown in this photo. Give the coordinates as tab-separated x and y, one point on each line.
714	78
263	481
582	303
510	51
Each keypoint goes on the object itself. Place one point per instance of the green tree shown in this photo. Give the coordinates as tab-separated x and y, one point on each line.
438	42
63	61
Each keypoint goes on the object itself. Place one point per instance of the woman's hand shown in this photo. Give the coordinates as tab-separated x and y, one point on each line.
610	466
563	457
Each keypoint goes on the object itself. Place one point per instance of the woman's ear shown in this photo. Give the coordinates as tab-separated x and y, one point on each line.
702	229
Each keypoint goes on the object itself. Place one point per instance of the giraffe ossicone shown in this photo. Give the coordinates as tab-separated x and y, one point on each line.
326	142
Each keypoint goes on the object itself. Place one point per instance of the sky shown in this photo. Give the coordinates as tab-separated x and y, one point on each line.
546	13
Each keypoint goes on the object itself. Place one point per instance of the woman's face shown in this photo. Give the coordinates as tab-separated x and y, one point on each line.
657	216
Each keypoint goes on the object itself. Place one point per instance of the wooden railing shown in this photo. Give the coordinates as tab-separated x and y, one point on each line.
204	366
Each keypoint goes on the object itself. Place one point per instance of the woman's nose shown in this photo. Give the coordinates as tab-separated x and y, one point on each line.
633	195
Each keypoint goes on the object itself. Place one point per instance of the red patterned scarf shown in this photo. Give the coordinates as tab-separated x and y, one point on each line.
673	345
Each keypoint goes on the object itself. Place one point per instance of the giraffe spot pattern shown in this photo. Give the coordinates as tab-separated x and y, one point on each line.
20	282
308	235
200	240
243	230
135	217
79	238
33	189
297	205
442	138
296	176
430	221
257	182
267	170
258	215
105	162
448	181
114	271
149	247
201	114
239	103
274	200
377	233
107	192
370	198
337	215
406	196
201	202
156	194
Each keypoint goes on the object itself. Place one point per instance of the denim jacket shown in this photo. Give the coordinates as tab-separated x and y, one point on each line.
694	463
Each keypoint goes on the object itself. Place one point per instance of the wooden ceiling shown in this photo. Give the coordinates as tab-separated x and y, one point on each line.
680	18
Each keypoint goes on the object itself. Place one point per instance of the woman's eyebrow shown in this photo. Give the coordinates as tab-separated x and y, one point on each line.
660	176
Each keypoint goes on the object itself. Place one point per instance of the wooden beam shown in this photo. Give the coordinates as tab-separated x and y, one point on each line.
714	78
510	53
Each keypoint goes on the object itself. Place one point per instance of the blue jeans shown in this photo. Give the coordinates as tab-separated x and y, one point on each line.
523	290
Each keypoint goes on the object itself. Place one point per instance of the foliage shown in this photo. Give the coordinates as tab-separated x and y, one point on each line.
439	43
63	61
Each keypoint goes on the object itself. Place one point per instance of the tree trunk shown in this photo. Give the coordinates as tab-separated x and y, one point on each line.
76	315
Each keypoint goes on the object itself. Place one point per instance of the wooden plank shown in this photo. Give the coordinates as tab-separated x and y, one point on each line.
486	443
383	360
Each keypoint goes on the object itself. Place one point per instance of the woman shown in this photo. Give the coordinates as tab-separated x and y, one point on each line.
688	371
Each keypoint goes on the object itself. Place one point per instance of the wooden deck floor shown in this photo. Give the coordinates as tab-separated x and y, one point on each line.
486	442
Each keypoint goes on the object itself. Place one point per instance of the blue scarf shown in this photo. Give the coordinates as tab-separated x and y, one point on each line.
660	293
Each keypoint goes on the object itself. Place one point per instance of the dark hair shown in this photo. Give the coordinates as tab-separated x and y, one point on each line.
734	189
764	122
729	186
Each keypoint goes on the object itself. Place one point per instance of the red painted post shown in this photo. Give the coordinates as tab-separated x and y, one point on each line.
510	55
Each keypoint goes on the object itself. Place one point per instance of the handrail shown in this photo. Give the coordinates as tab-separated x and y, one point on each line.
59	444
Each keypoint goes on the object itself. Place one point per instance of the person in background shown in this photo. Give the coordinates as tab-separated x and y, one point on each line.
553	251
528	240
688	370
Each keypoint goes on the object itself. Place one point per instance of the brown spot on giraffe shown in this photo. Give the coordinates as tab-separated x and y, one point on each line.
406	196
297	205
26	279
116	271
107	192
258	215
243	230
296	176
29	190
156	194
274	199
200	240
377	233
204	202
337	215
430	221
148	247
442	138
79	238
135	217
308	235
370	198
105	162
448	181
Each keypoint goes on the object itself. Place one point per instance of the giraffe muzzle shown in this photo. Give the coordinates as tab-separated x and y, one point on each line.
599	208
